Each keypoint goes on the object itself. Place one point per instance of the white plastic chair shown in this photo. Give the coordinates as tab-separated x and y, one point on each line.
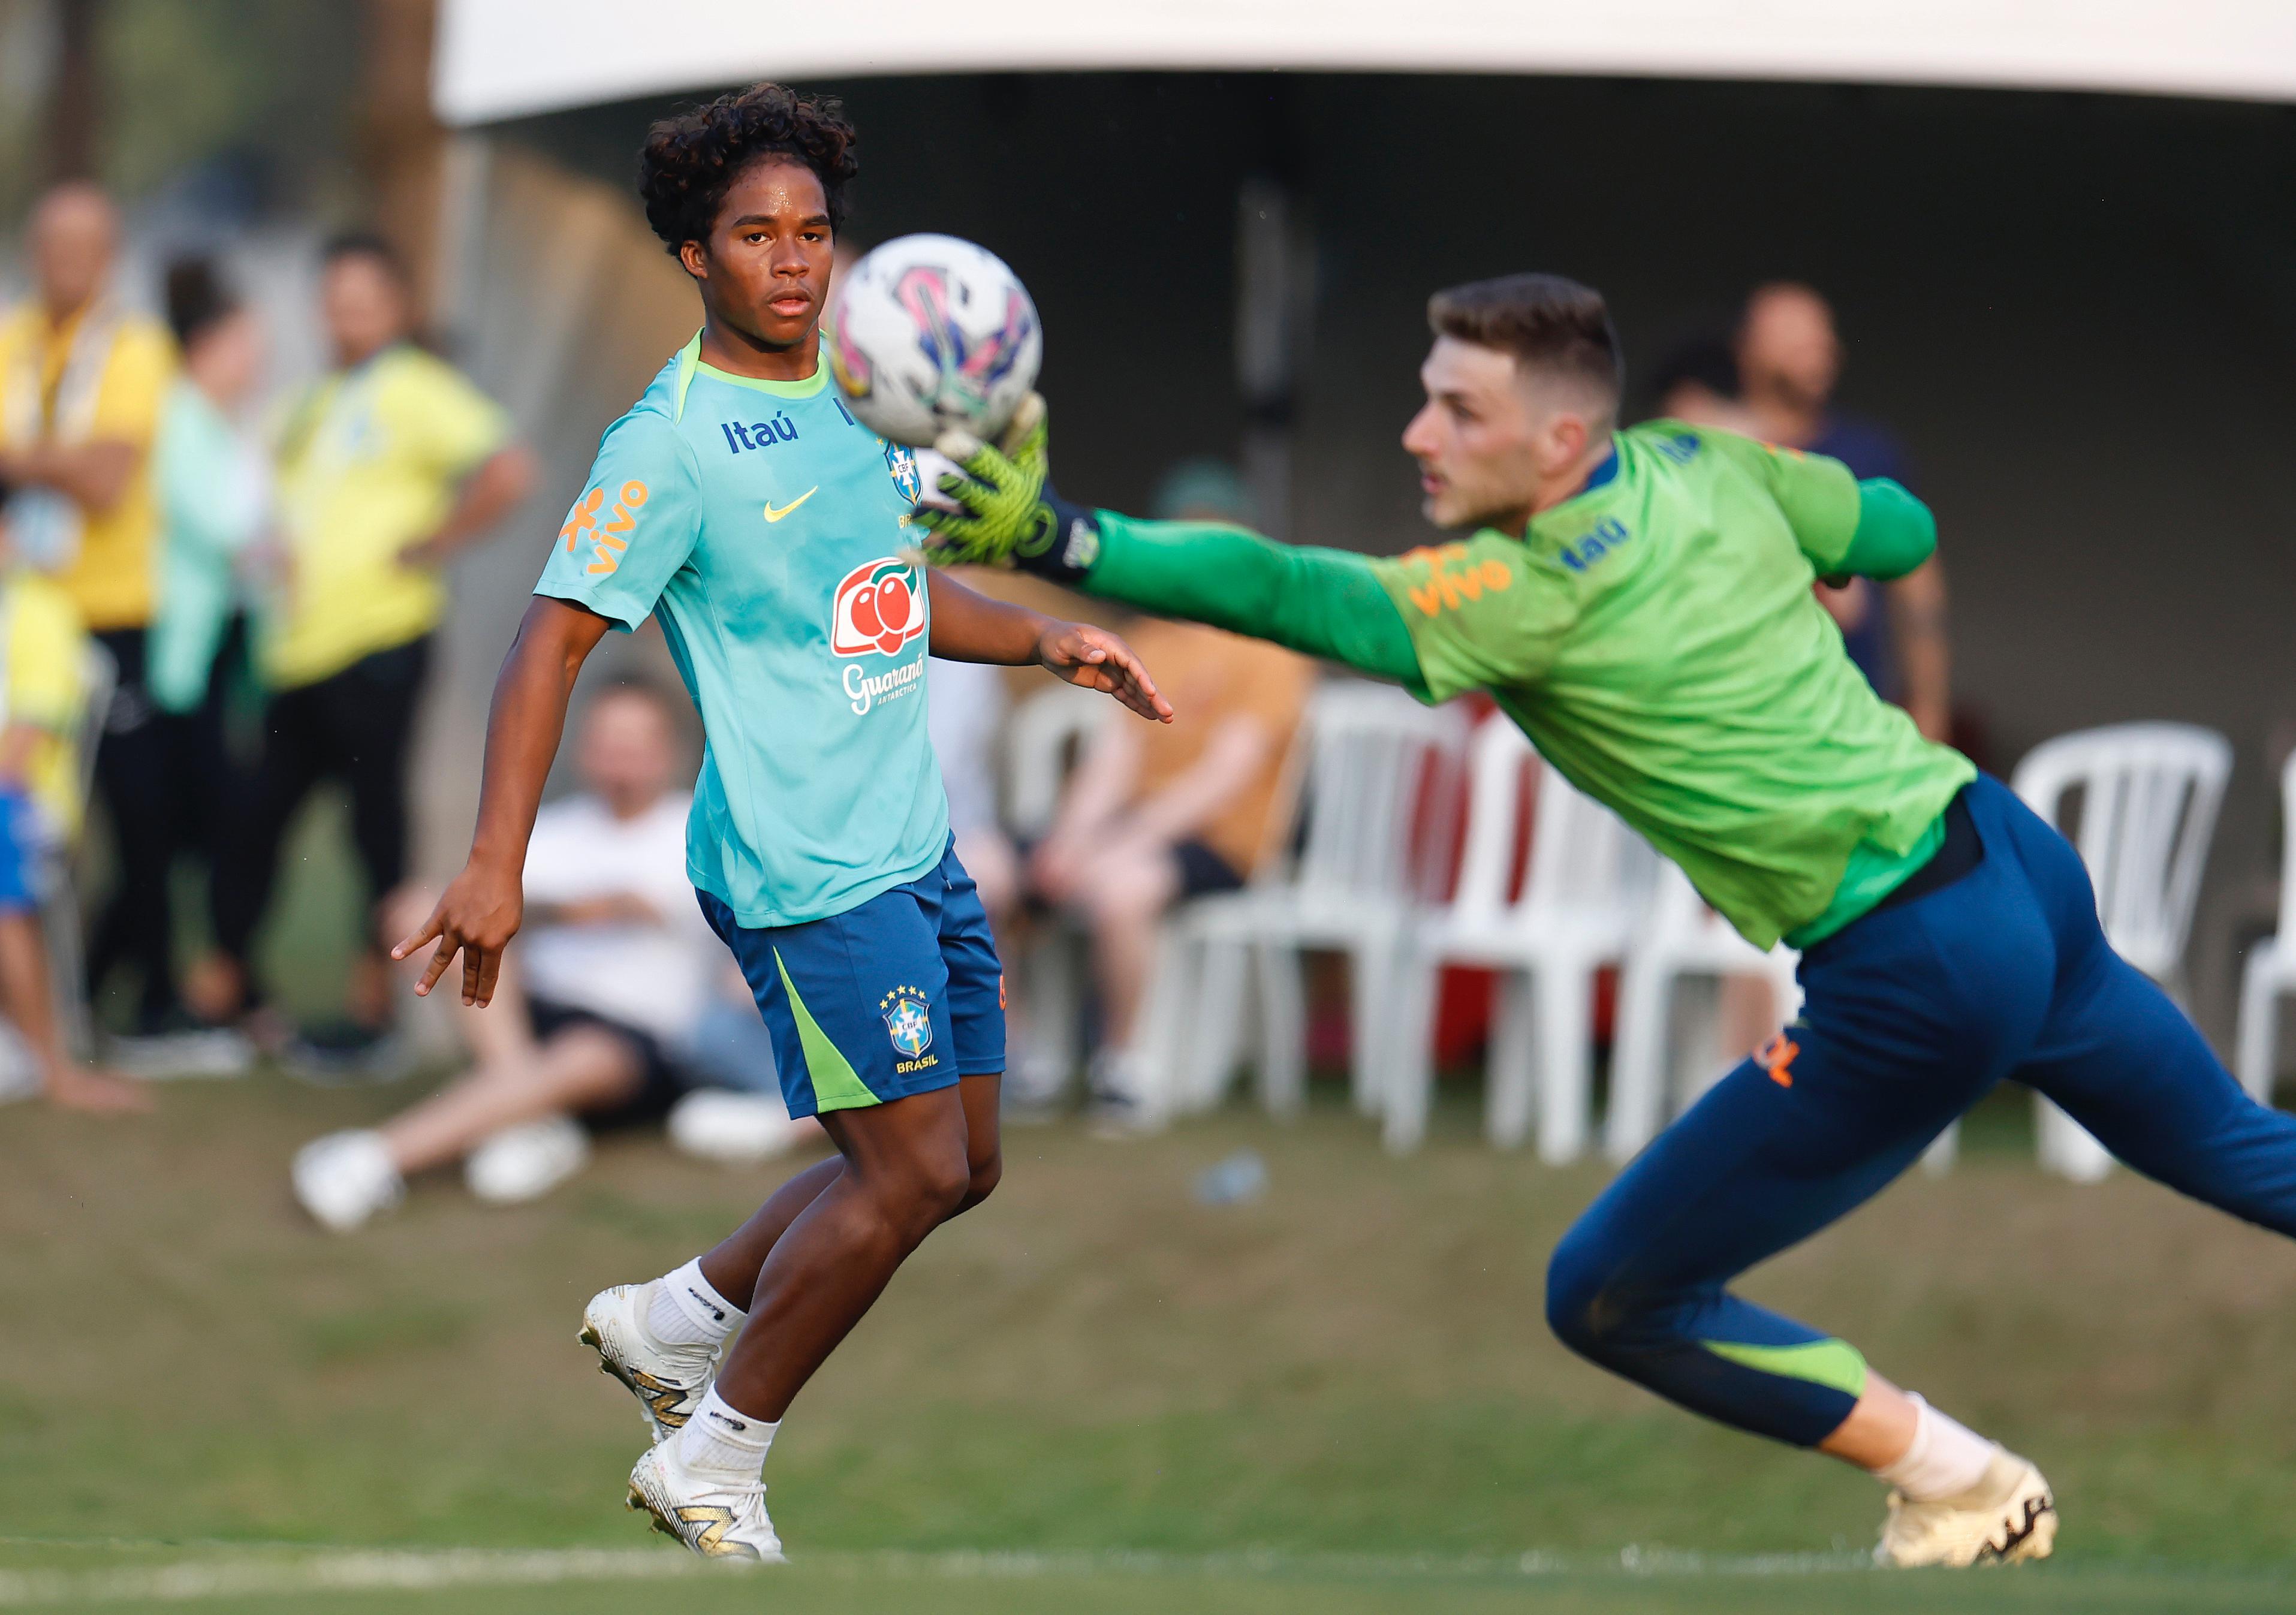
1368	761
2270	972
58	894
1042	740
2149	799
1588	881
1682	940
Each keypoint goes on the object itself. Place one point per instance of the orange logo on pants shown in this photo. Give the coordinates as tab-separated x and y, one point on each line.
1777	1057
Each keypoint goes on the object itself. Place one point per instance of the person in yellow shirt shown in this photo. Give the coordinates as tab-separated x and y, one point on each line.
387	467
82	382
43	649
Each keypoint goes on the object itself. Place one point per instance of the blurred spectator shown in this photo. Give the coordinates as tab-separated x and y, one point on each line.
964	712
1790	360
966	704
81	385
1698	382
737	1113
602	991
213	483
42	651
1157	814
387	468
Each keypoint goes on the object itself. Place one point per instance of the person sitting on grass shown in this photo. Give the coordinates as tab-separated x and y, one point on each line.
1153	818
42	650
612	979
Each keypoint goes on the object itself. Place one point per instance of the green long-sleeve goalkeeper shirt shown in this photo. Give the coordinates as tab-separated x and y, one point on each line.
1656	638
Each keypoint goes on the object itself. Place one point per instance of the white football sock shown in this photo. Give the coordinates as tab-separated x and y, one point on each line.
718	1439
1946	1458
686	1310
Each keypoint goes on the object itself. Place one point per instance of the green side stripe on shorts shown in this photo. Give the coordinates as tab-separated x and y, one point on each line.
835	1084
1833	1364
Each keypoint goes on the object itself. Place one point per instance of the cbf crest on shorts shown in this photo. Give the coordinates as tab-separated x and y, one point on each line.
909	1020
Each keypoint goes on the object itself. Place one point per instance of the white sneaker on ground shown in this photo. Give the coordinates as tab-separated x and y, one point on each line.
669	1382
20	1073
1035	1089
345	1178
2009	1516
716	1518
527	1162
719	1123
1123	1104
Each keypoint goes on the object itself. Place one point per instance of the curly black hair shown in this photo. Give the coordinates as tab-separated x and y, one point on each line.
691	161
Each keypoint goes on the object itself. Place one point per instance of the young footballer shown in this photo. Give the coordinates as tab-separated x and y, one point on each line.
1639	602
740	505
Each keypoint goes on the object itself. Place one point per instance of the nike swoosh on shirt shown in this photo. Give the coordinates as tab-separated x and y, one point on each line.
776	515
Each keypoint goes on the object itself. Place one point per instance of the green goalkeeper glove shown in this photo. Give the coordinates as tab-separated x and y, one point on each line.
1007	514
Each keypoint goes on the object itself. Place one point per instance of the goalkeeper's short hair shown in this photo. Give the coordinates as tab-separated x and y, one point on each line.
1552	327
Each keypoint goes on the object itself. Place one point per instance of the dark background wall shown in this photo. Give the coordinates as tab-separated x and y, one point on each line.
2079	311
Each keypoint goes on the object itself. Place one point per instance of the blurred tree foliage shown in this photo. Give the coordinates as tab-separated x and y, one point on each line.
268	86
272	82
27	51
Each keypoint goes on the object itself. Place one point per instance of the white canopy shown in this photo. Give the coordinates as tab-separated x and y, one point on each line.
506	58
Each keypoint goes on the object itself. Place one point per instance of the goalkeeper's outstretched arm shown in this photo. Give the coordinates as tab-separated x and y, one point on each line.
1320	602
1324	602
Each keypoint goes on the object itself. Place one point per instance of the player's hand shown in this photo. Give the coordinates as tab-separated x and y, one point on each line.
477	917
1002	516
1094	659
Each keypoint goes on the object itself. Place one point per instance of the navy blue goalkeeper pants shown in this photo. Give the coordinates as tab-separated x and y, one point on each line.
1910	1014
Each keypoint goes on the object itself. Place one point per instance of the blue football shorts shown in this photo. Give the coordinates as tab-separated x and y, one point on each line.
899	995
19	848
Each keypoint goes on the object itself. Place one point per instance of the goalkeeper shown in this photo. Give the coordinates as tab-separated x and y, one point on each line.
1639	602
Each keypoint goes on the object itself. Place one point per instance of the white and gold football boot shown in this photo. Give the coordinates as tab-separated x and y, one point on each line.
2008	1516
669	1381
718	1519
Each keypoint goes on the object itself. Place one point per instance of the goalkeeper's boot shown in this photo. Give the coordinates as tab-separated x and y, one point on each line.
716	1517
2009	1516
669	1381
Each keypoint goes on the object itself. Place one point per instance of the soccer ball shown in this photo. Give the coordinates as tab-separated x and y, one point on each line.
927	332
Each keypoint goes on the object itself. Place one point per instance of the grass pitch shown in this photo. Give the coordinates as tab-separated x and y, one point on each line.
611	1580
1093	1393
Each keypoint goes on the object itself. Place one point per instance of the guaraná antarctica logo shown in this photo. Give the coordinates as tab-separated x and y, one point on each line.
879	608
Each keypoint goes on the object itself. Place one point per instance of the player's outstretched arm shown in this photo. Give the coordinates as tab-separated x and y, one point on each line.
1324	602
481	907
970	626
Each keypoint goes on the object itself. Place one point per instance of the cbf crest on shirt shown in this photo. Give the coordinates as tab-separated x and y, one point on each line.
767	530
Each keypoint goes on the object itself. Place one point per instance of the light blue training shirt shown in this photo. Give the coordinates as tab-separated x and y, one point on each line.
764	527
